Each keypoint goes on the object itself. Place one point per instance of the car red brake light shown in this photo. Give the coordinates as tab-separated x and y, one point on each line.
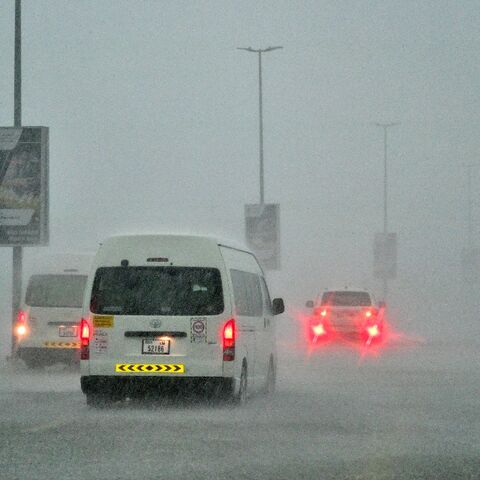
228	340
85	333
371	313
21	325
373	331
318	330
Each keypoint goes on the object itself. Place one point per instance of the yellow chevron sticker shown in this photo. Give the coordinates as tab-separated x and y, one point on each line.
149	368
61	344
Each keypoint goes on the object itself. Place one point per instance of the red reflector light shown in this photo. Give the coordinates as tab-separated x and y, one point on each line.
21	317
85	332
228	340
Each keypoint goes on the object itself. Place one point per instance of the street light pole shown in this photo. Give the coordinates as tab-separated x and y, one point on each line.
17	121
385	127
260	113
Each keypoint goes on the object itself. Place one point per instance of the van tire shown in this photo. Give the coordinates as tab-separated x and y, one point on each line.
241	397
98	400
271	379
33	364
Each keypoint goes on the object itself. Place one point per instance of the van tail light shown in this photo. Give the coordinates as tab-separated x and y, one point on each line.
228	340
85	334
21	324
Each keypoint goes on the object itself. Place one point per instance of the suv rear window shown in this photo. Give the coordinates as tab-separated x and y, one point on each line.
346	299
157	291
56	290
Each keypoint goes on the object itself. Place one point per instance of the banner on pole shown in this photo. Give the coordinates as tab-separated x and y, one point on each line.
385	256
23	186
262	232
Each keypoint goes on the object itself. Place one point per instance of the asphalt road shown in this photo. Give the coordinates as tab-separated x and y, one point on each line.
410	410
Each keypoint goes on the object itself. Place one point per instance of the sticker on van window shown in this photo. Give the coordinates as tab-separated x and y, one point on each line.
103	321
100	342
198	330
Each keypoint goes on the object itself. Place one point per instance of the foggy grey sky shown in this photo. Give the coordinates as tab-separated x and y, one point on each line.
153	120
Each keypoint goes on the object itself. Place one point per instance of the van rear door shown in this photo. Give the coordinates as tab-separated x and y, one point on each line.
54	308
157	319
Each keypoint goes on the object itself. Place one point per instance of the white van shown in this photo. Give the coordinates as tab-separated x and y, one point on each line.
47	326
170	310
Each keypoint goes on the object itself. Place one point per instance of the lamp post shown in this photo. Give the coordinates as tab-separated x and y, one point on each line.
385	127
17	100
260	110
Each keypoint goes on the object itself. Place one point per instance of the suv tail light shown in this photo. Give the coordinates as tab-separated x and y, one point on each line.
228	340
320	311
85	333
373	331
21	325
371	313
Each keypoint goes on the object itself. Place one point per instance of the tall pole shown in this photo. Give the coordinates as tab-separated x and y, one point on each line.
385	182
260	129
17	100
260	114
385	127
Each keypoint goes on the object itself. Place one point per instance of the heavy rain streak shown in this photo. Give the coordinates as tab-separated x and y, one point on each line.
239	239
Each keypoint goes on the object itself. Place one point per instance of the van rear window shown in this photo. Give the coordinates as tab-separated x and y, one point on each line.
56	291
157	291
346	299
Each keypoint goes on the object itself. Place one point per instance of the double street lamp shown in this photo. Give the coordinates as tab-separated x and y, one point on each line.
259	51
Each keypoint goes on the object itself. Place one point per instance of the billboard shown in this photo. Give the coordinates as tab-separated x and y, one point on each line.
262	232
385	256
23	186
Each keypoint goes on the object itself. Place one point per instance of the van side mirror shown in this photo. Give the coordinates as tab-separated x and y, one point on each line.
309	304
278	306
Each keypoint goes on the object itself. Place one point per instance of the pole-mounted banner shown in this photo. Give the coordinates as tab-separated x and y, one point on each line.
262	232
23	186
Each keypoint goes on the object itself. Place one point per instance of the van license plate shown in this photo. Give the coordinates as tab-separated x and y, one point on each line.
153	346
71	331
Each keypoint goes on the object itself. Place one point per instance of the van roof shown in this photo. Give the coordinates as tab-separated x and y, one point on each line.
169	249
59	263
171	236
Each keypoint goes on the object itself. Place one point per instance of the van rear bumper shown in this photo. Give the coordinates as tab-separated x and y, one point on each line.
48	356
124	386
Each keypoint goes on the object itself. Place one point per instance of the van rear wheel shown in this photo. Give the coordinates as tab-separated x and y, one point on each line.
241	397
98	400
271	378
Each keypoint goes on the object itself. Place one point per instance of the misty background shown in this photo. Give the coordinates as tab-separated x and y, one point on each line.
153	118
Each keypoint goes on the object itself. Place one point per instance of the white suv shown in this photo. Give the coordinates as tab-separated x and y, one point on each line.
346	313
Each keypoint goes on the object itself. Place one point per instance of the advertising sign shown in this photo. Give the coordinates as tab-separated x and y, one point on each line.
262	231
385	256
23	186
